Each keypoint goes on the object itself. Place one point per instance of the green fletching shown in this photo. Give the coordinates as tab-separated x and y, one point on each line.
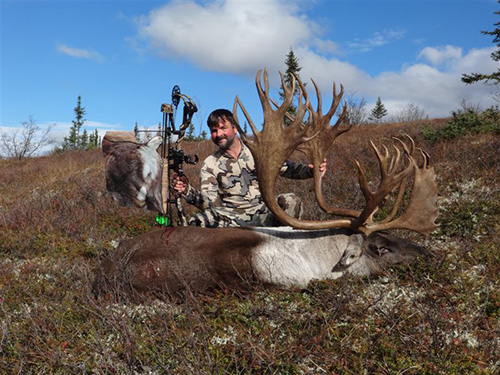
161	220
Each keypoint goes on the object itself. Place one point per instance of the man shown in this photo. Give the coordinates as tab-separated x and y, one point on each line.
229	174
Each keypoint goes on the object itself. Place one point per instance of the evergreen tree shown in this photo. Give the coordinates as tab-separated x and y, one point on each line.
190	133
97	139
74	140
203	135
79	120
84	140
378	111
93	140
136	131
71	141
495	76
292	69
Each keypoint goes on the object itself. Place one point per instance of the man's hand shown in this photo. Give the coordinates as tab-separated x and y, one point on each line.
180	183
322	167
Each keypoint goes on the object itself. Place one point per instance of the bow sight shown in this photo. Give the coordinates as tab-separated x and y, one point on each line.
175	155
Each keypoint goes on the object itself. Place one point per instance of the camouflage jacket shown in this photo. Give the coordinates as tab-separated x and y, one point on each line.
234	181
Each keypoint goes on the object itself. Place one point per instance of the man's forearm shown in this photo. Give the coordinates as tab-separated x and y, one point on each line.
296	171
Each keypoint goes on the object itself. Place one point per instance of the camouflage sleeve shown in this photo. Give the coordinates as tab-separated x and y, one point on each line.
296	171
207	195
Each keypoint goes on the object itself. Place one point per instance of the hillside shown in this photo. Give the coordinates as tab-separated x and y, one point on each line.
440	317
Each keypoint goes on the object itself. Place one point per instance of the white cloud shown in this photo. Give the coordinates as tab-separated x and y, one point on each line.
325	46
437	91
238	37
227	36
438	55
80	53
62	129
379	38
59	130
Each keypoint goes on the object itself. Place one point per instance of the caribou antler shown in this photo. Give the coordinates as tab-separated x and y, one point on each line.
421	211
317	148
324	136
276	142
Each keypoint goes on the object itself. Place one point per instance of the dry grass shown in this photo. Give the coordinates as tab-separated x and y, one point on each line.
441	317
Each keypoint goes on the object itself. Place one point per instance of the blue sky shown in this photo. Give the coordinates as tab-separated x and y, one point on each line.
123	57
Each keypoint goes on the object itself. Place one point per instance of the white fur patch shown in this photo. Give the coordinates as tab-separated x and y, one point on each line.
150	159
151	165
141	196
292	258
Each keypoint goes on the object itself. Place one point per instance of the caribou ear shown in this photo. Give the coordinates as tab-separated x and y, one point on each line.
154	143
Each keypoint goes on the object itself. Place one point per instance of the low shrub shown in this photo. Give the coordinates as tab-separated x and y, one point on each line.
465	122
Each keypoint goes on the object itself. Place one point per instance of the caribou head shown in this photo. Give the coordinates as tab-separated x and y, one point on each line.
133	170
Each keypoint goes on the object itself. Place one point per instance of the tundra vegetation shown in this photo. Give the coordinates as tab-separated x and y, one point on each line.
432	317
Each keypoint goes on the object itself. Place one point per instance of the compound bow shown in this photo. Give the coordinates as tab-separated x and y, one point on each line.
172	156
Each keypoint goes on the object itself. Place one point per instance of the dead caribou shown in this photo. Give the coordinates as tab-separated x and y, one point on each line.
171	260
174	259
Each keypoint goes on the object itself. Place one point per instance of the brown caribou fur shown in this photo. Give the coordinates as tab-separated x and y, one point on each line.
172	260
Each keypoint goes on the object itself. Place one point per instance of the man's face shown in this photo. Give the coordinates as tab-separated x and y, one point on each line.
223	134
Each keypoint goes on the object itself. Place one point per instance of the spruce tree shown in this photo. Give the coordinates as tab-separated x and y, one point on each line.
74	140
97	139
136	131
84	140
378	111
292	70
79	120
495	76
71	141
203	135
93	140
190	133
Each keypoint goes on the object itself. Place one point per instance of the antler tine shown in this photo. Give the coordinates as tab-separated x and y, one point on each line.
335	103
288	90
305	125
336	99
263	93
363	182
409	151
426	157
395	160
304	107
318	95
382	159
237	102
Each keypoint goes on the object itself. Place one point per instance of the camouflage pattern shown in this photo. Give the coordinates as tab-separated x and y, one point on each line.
234	183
